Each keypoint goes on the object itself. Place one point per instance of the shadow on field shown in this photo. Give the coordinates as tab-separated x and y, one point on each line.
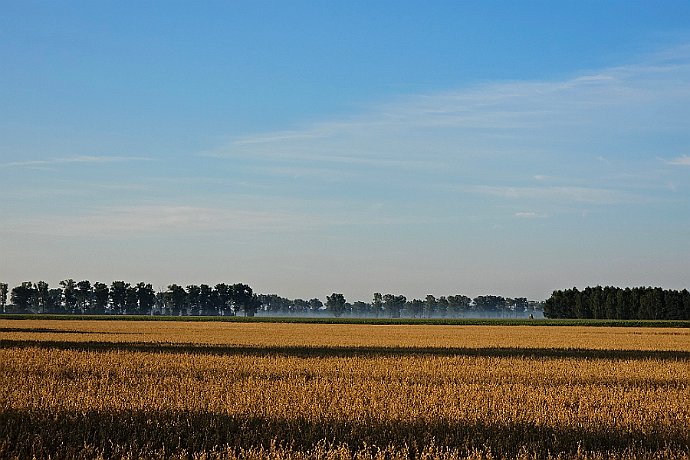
46	330
66	435
327	352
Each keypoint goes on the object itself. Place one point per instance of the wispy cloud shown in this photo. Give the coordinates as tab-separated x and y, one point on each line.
67	160
278	137
145	220
683	160
529	215
507	129
172	219
564	194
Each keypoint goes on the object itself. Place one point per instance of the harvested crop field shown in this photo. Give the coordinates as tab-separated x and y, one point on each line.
108	389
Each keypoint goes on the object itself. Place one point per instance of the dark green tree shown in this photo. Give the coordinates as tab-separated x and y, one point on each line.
521	304
597	303
224	295
442	306
551	306
415	308
176	299
146	298
131	300
22	296
377	305
243	298
673	305
101	294
193	298
582	305
42	292
69	295
622	304
3	297
273	303
429	306
611	299
205	300
489	304
214	304
54	303
335	304
84	295
686	303
393	305
299	306
360	309
315	306
118	296
458	304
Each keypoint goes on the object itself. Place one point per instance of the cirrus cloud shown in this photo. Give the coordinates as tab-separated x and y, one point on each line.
45	162
683	160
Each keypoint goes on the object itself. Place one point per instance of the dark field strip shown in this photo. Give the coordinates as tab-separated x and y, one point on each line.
346	351
48	330
36	433
373	321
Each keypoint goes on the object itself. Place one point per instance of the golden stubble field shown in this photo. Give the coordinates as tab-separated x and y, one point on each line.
120	389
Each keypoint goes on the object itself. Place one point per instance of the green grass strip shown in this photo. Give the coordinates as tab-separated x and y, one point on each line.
372	321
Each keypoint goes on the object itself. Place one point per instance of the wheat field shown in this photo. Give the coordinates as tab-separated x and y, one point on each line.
205	390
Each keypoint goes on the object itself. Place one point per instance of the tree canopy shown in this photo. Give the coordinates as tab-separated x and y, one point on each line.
618	303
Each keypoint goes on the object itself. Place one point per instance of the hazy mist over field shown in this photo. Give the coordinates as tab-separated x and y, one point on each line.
313	147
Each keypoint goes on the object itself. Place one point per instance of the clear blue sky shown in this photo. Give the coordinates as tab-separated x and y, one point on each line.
307	147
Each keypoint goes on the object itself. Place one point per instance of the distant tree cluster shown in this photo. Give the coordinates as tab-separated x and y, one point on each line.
617	303
120	298
398	306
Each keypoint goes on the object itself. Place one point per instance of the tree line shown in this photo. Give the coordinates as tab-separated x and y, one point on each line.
618	303
398	306
119	297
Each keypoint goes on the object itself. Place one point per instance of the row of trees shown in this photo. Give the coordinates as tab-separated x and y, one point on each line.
397	306
119	297
617	303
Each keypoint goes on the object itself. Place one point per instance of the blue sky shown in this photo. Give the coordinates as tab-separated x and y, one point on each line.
307	147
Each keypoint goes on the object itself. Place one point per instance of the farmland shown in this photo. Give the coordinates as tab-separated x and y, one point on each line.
147	389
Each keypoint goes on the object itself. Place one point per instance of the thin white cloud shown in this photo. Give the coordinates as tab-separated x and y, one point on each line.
529	215
683	160
587	136
277	137
603	160
565	194
520	123
166	219
158	220
74	159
